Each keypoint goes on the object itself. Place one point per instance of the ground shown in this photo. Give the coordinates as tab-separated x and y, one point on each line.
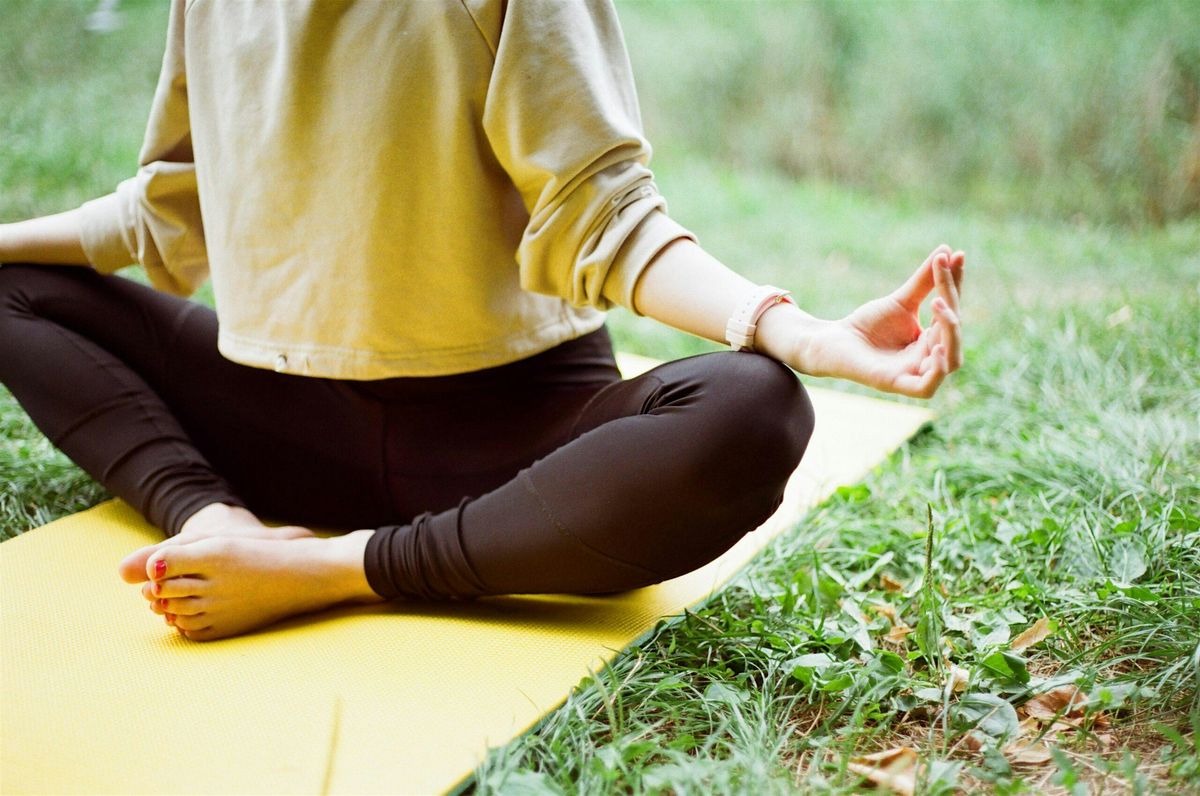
1059	483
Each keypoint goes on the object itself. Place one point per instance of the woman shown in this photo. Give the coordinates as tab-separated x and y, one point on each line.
358	178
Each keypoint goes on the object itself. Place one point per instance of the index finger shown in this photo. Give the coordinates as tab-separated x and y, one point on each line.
913	292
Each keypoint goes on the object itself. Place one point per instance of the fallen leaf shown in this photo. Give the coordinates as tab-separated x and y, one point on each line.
887	757
959	677
1028	754
884	609
1039	632
894	769
1066	707
973	740
898	633
1062	703
889	583
1060	725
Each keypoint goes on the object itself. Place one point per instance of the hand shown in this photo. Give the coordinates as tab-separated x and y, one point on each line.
882	344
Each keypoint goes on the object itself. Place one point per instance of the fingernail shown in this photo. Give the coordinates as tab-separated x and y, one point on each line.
162	604
170	618
160	567
158	588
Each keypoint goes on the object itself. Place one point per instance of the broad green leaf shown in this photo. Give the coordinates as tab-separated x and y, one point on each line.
985	712
1127	561
1007	667
720	692
839	683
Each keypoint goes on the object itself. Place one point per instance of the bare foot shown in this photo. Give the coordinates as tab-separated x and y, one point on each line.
215	519
223	586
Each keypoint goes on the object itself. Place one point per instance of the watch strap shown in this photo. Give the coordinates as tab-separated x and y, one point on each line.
742	324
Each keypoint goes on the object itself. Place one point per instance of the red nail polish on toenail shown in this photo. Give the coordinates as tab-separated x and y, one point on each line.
170	618
158	588
160	567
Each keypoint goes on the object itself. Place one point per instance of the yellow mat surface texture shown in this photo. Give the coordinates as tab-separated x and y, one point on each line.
99	696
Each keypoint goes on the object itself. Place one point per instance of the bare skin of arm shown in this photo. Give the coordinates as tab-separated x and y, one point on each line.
211	585
50	240
228	573
881	344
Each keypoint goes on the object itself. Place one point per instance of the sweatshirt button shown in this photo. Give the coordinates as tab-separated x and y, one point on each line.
280	363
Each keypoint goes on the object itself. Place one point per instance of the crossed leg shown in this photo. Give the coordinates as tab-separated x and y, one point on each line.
598	487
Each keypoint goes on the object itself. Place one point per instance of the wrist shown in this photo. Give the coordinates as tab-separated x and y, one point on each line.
789	334
6	246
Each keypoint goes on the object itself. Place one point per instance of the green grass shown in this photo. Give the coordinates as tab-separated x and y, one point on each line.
1061	475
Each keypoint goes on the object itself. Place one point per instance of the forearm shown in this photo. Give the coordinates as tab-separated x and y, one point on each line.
687	288
50	239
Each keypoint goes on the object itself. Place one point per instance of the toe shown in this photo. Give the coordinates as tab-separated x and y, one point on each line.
185	559
184	606
191	623
207	634
133	567
175	587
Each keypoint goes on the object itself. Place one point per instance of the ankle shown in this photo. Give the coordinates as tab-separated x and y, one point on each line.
345	574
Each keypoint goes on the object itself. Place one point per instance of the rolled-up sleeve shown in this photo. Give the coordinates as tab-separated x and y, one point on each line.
154	217
562	118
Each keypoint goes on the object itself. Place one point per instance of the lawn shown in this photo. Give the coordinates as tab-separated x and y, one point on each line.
1059	483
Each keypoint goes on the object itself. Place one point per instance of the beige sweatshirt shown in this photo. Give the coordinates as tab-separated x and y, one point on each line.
391	187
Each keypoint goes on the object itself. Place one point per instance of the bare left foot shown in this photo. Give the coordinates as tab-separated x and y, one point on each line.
224	586
215	519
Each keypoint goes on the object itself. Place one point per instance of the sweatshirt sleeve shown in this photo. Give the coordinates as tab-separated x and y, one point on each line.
154	218
562	118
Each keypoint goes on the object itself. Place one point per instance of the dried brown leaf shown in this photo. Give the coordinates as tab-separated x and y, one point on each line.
1028	754
959	677
1029	726
972	741
1034	635
889	583
894	769
1064	702
884	609
898	633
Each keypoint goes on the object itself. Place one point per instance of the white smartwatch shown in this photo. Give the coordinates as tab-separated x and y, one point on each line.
740	328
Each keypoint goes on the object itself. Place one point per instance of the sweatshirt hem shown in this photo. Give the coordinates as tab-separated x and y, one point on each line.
335	362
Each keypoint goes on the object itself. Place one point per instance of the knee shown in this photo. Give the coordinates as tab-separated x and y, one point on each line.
18	282
754	424
765	413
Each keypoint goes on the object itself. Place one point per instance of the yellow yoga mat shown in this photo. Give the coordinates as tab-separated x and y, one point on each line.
99	696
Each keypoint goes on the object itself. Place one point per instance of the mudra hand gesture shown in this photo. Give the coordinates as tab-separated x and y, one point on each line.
882	343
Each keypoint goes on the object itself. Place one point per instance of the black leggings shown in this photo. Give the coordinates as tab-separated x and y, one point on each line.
549	474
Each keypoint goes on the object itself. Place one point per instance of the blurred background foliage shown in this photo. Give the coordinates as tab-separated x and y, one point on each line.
1058	109
1051	109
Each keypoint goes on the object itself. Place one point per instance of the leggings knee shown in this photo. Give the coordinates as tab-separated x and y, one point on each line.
756	421
765	416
